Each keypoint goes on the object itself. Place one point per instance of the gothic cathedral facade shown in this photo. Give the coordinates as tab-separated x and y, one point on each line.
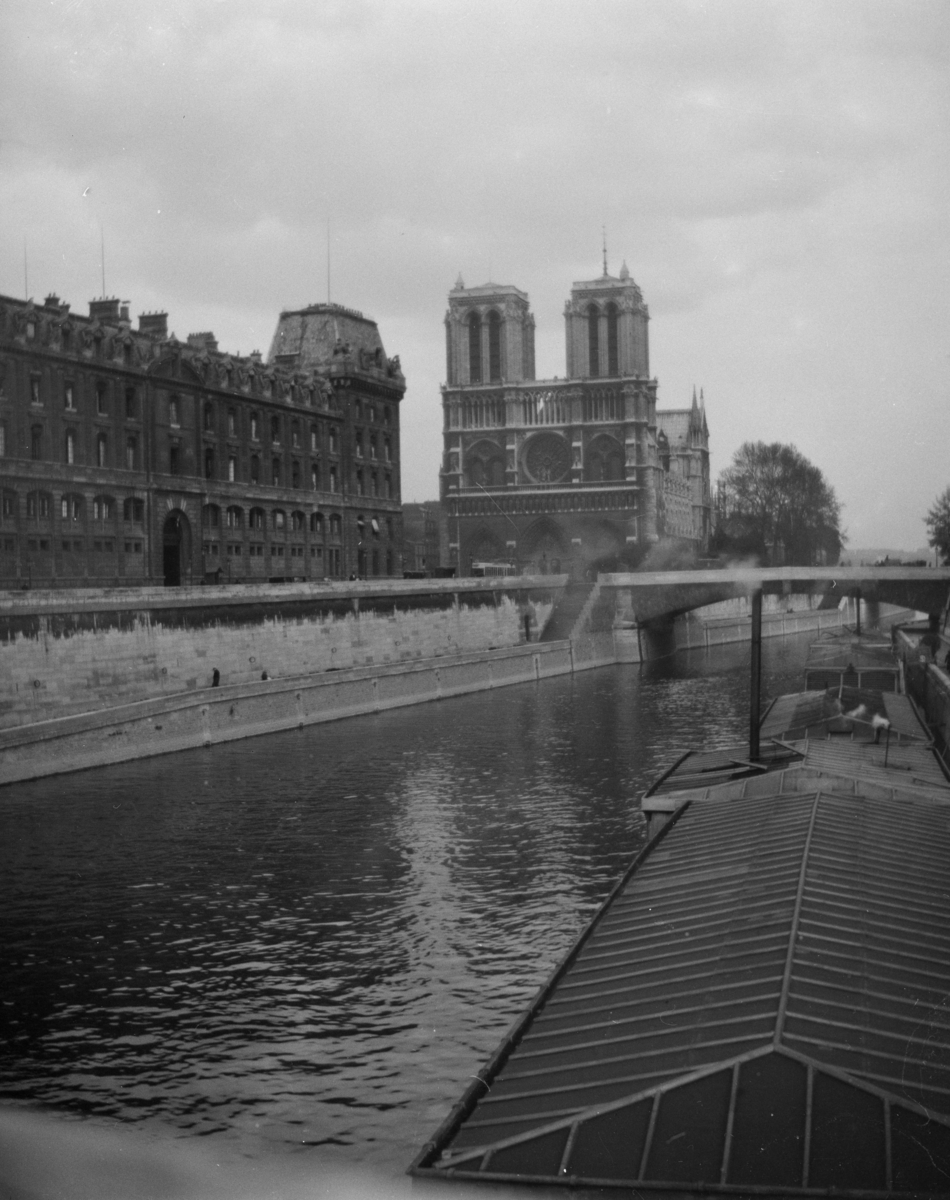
564	475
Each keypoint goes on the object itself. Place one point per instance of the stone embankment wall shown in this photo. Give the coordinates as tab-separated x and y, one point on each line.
63	653
726	622
210	715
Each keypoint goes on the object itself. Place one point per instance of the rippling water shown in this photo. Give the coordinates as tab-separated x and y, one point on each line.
313	939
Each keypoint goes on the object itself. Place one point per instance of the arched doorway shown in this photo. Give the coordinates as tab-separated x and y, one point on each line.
175	547
545	548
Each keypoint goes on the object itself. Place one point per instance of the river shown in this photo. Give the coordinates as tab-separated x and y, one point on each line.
305	944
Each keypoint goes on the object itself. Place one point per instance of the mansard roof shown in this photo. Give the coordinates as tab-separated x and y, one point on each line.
325	334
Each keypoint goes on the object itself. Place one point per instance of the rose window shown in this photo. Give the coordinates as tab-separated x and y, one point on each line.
547	458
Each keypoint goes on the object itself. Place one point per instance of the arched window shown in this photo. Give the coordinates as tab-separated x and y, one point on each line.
131	453
298	522
295	434
314	439
336	526
295	474
211	516
316	524
613	353
315	477
280	520
275	430
232	423
36	442
235	517
255	469
494	346
255	427
275	472
9	505
209	418
70	446
102	450
475	348
103	508
71	508
39	506
209	462
256	518
593	340
133	510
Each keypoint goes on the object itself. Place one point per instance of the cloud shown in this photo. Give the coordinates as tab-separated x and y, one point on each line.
770	171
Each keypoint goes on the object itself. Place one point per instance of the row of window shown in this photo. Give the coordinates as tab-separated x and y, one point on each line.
102	407
47	545
234	518
40	506
209	414
366	484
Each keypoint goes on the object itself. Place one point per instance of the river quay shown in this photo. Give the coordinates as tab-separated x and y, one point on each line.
96	678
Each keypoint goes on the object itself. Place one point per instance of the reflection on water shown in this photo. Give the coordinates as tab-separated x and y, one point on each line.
313	939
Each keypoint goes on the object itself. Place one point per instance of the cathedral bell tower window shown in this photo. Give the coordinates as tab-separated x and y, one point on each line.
613	356
593	341
494	347
475	348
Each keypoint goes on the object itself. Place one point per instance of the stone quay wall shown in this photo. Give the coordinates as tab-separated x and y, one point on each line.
63	653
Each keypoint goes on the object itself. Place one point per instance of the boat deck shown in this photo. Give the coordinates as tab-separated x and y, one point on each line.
761	1003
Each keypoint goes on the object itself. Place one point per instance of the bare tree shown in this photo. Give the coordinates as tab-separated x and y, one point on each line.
776	505
938	525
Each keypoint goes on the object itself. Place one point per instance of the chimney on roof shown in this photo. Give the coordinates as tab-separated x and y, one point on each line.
124	312
154	325
52	301
256	356
203	341
105	310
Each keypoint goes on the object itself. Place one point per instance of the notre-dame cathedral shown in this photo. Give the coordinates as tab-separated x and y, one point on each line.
573	474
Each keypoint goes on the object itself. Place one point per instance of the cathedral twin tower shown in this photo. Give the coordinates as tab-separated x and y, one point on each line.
567	474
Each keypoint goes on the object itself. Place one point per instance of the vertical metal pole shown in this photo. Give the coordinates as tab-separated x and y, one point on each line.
755	694
857	612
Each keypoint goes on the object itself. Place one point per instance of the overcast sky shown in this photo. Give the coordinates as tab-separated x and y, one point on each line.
774	174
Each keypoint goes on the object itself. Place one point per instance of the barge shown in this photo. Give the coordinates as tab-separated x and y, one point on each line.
760	1007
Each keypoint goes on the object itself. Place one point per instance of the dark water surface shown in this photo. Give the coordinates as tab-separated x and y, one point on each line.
313	939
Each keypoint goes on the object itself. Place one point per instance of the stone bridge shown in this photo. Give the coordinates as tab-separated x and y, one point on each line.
658	596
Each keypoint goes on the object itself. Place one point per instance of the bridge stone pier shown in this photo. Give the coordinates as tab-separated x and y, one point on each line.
654	598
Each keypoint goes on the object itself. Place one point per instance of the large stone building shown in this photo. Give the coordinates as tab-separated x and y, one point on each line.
128	457
564	474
